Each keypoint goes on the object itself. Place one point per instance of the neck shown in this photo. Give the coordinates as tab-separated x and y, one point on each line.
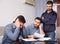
48	11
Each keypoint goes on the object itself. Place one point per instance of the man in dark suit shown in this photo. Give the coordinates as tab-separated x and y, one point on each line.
49	18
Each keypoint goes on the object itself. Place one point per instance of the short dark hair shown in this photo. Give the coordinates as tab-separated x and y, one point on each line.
49	2
38	18
21	19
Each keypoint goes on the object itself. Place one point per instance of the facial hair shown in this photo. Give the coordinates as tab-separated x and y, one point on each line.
36	27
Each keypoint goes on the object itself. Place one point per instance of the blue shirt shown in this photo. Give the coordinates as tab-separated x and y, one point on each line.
11	33
31	30
49	21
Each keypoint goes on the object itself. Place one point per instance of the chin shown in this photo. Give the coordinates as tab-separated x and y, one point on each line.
36	26
21	27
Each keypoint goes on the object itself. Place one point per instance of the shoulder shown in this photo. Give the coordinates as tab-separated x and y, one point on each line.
30	26
44	13
55	13
9	25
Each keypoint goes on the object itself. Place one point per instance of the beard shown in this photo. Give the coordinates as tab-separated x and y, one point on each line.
36	27
49	9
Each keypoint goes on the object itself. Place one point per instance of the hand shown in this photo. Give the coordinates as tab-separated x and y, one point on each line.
31	36
40	26
42	18
17	23
41	30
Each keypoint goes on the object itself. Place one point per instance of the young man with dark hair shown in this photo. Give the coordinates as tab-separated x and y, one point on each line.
14	30
49	18
34	28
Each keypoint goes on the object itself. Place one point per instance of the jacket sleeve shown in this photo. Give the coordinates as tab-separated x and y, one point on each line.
52	20
45	19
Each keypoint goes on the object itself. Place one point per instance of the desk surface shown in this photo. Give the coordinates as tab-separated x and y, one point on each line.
23	42
37	42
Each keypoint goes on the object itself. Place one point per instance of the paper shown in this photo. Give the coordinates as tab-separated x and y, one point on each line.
39	35
43	39
29	39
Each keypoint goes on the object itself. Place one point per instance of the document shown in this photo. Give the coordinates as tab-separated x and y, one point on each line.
44	39
40	39
29	39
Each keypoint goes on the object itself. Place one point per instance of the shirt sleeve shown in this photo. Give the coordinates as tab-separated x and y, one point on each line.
10	34
27	31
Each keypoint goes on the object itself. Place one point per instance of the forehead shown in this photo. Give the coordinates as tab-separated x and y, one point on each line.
49	4
37	20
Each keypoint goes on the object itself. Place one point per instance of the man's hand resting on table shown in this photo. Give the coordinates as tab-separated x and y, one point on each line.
31	36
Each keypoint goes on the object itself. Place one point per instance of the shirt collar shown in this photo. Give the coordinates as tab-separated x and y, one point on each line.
50	12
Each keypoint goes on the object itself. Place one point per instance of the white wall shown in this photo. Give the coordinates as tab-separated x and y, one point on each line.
40	7
55	7
9	9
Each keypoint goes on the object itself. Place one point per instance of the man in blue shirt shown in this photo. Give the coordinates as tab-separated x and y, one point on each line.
34	28
13	30
49	18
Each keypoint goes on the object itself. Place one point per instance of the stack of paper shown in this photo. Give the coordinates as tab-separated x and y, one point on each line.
29	39
43	39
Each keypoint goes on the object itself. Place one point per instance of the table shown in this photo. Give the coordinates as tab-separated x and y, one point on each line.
37	42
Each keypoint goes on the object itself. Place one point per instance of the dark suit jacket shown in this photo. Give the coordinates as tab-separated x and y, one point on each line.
49	21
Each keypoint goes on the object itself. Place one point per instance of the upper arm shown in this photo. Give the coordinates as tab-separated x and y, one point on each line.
27	30
10	34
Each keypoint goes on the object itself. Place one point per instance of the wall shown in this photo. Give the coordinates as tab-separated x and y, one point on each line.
9	9
40	7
